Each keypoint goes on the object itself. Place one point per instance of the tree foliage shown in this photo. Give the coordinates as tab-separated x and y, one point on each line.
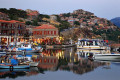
13	13
110	34
63	25
28	23
76	23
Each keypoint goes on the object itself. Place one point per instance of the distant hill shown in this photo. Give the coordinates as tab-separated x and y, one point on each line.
116	21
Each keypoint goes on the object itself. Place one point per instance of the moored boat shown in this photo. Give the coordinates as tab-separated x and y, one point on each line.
33	64
92	44
106	56
26	47
9	66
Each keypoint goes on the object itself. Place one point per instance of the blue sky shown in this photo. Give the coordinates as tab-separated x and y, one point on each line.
102	8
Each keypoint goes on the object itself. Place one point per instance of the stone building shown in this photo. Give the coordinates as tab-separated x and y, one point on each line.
11	31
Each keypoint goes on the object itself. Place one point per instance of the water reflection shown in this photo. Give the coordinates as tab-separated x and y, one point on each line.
60	59
4	73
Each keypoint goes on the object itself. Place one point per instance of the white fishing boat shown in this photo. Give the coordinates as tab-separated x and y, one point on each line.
33	64
92	44
26	47
106	56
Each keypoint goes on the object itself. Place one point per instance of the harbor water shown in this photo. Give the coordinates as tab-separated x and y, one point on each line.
66	64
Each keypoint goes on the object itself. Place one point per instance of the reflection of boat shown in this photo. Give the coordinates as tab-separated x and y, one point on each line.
107	56
15	70
2	52
14	67
85	53
92	44
93	51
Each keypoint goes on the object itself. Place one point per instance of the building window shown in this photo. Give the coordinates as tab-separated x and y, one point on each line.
34	33
51	32
54	32
37	32
48	32
44	32
40	32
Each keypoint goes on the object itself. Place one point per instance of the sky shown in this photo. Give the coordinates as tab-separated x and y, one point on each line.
102	8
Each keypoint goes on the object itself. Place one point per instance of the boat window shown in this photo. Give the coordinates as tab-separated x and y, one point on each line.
96	43
90	43
26	45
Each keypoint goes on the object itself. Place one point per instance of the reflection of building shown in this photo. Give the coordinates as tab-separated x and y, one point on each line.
50	62
83	66
11	29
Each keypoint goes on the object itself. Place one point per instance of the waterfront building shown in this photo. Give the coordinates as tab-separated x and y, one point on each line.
11	31
45	32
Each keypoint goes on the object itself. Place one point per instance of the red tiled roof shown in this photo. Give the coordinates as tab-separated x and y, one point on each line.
33	13
12	21
45	26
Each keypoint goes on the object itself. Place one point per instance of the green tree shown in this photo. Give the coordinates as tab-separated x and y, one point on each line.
28	23
76	23
35	23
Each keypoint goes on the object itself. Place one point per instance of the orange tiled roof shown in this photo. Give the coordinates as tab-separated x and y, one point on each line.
45	26
12	21
33	13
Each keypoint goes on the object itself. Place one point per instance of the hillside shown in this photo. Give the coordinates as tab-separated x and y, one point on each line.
73	25
98	27
116	21
13	13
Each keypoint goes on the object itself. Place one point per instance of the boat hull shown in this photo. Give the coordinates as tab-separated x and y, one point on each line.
14	67
93	47
33	64
107	56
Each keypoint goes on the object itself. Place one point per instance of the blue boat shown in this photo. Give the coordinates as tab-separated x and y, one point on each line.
28	48
15	70
8	66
